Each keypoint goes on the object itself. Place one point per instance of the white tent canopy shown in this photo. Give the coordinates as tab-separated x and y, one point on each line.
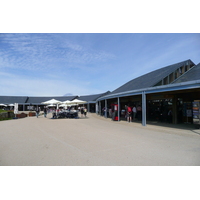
1	104
51	105
78	101
52	101
67	102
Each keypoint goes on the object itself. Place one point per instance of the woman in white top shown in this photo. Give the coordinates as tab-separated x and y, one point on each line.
134	112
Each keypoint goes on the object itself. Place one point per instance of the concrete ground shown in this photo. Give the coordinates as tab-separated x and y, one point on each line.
95	141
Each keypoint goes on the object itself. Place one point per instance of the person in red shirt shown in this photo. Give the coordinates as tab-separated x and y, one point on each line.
129	114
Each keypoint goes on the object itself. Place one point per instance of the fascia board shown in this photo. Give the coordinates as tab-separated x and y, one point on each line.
163	88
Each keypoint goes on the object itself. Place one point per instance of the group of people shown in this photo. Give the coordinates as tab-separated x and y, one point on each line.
83	111
131	112
38	109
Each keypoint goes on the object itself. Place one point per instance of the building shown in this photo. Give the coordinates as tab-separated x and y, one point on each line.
26	103
91	100
173	87
170	89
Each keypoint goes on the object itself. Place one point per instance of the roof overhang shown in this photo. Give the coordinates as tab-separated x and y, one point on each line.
164	88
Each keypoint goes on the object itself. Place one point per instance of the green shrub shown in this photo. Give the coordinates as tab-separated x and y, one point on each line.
5	119
2	111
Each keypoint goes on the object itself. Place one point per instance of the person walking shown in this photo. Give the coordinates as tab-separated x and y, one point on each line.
82	111
37	111
45	111
85	111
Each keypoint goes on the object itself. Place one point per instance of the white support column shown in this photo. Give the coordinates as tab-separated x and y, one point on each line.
118	102
100	108
143	109
106	107
88	107
97	107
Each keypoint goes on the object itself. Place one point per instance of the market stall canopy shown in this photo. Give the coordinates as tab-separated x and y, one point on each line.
78	101
67	102
52	101
1	104
51	105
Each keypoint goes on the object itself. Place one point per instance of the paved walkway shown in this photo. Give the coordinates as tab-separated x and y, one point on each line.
95	141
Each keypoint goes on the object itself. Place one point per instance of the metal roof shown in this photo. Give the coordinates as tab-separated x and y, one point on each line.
157	89
92	98
192	74
13	99
150	79
32	100
38	100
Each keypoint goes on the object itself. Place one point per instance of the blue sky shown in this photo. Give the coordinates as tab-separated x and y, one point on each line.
82	63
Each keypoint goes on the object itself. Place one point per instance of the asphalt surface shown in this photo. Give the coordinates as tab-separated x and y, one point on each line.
95	141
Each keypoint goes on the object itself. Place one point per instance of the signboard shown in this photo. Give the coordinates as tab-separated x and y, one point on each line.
189	113
30	107
16	108
187	109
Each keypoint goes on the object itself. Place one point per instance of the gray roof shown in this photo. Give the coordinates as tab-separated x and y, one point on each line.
191	75
93	97
150	79
13	99
38	100
32	100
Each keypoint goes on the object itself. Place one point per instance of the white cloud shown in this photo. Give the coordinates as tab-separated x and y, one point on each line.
46	51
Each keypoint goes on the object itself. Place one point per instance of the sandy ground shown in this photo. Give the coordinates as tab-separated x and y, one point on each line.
95	141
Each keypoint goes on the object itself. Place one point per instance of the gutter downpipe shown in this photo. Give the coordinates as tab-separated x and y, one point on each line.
143	108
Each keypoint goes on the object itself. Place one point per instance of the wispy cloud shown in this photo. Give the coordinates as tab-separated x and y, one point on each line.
36	51
56	64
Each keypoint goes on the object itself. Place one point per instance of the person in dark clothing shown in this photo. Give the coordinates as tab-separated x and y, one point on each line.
82	111
85	111
37	111
139	112
45	111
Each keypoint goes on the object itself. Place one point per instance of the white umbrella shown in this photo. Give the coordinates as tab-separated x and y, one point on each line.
1	104
51	105
67	102
78	101
52	101
63	105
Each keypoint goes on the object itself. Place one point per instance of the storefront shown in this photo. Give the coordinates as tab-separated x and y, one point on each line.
170	103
